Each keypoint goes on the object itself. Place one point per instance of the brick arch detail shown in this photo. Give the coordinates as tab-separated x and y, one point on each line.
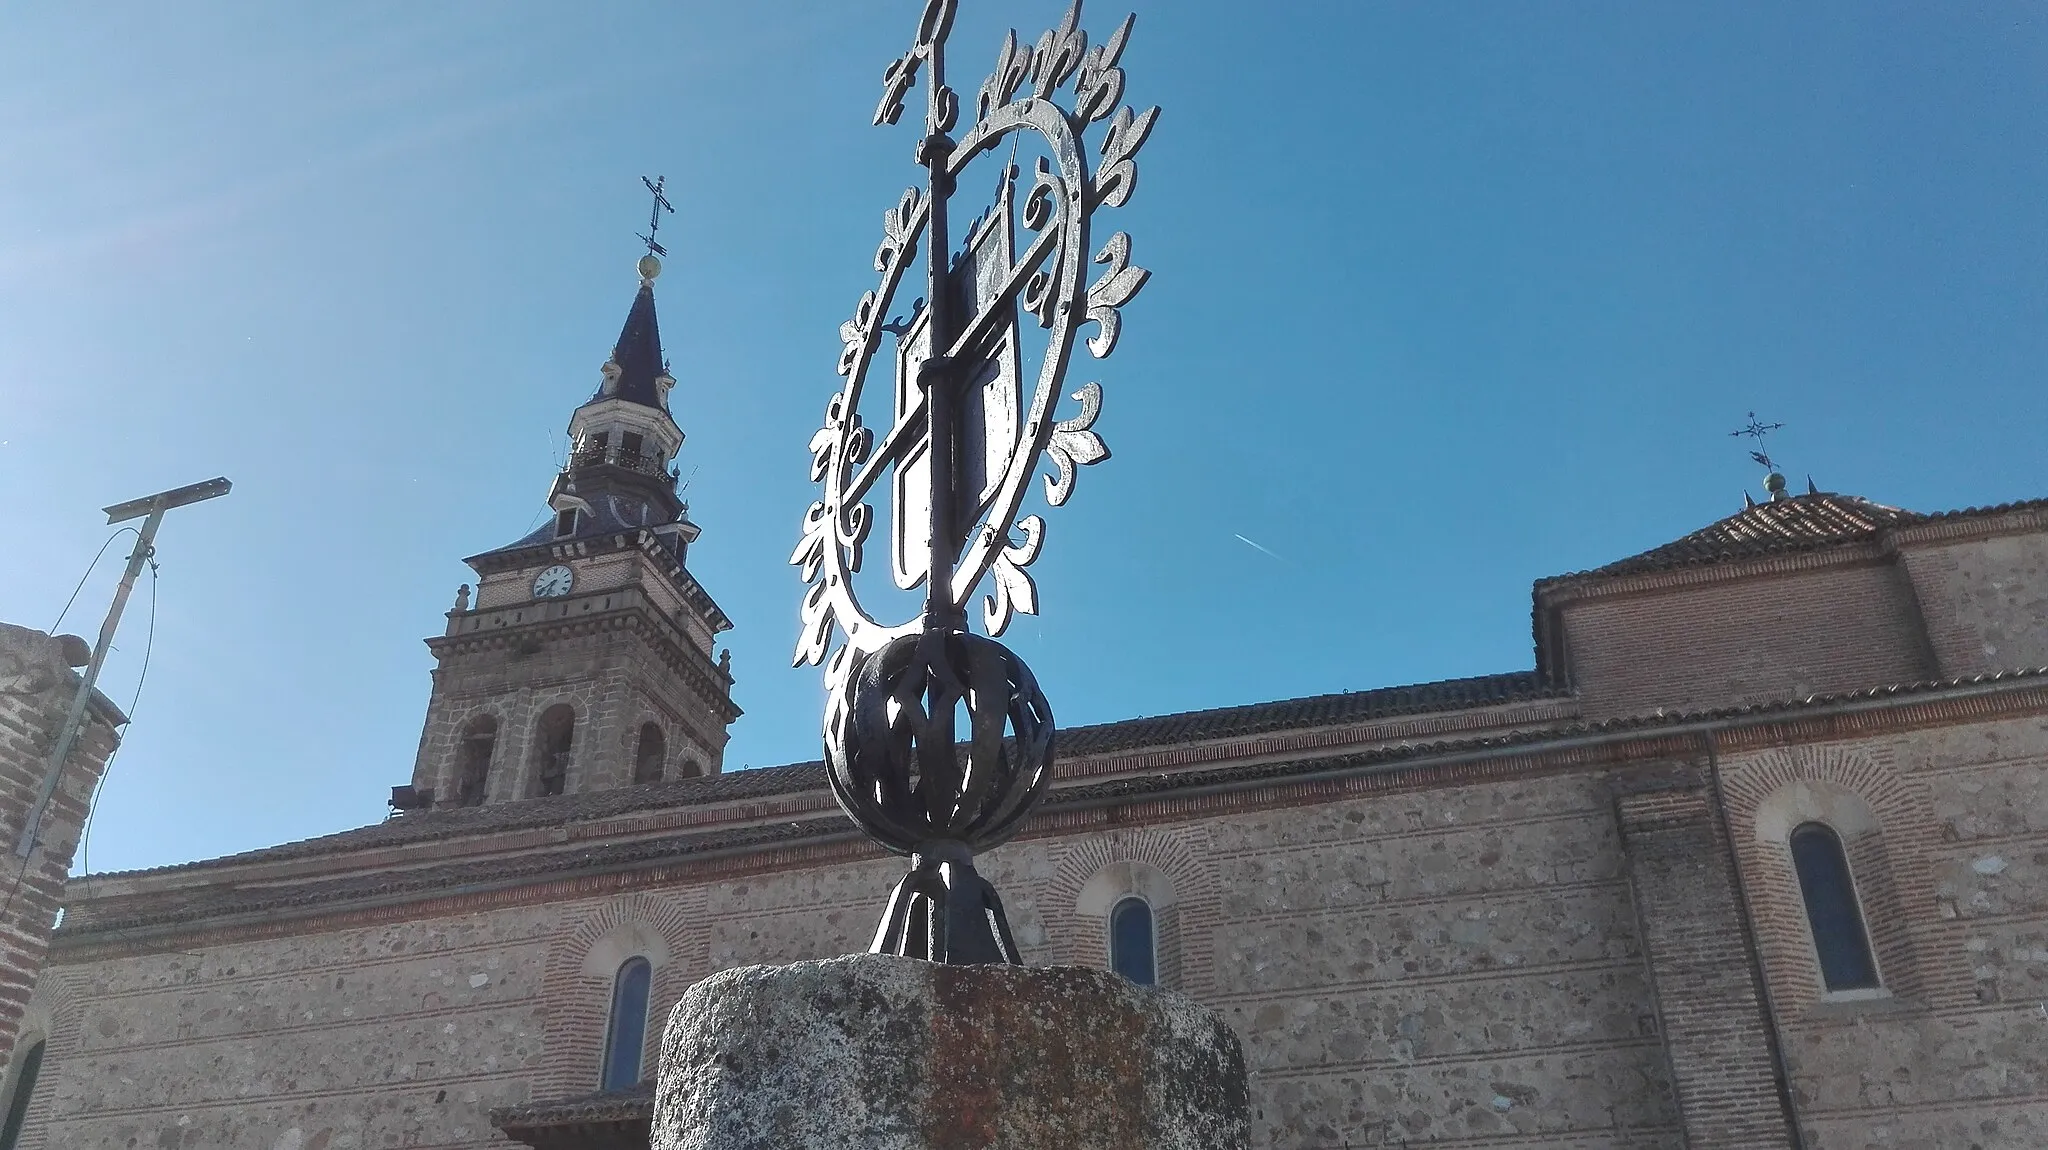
579	996
448	775
1885	822
56	1013
1184	930
527	771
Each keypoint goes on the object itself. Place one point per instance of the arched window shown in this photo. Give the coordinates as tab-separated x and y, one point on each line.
626	1037
1824	883
648	759
1132	952
24	1087
690	769
473	760
552	739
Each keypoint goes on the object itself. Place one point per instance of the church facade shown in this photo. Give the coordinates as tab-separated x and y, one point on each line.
1756	855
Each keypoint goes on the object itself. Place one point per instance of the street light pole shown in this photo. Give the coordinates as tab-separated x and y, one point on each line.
153	506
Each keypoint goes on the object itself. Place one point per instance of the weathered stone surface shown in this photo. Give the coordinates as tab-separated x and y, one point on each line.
885	1053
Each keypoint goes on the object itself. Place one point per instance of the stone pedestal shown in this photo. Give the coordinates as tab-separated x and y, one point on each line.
872	1052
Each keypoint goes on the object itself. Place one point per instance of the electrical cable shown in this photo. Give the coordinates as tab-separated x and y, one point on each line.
88	574
92	807
149	645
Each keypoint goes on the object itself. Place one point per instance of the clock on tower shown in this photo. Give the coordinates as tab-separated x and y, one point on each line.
586	661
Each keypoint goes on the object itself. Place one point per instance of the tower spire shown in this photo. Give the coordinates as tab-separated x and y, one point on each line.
661	205
637	371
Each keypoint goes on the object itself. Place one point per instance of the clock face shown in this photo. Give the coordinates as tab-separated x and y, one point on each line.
553	582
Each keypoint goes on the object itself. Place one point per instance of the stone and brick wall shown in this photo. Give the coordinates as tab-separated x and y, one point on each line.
1516	953
1984	601
1485	927
607	667
36	689
1456	964
1709	996
1947	837
1716	642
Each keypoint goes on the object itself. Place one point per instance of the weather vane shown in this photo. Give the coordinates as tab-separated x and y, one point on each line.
1757	430
966	430
661	205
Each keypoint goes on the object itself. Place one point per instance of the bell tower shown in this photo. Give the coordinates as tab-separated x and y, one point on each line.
585	661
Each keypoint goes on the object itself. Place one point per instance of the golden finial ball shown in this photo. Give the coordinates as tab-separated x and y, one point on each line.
649	266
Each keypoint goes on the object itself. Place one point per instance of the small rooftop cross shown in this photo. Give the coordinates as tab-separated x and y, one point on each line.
660	205
1757	430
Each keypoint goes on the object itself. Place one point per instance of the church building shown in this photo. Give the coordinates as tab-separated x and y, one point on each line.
1754	855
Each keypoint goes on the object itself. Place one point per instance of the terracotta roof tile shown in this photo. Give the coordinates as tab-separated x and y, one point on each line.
1313	711
1800	523
768	782
90	918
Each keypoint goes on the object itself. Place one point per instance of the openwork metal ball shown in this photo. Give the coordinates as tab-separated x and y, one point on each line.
893	742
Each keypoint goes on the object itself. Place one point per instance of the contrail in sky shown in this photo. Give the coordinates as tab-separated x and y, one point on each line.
1256	547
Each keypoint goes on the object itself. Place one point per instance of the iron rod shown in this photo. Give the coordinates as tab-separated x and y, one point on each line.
74	719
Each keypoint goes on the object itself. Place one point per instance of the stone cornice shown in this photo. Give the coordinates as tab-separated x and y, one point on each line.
580	869
635	614
643	540
2011	519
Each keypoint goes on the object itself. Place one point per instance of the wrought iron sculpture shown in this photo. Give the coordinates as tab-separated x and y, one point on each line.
964	442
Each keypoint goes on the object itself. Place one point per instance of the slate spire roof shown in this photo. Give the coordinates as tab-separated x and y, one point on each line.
638	353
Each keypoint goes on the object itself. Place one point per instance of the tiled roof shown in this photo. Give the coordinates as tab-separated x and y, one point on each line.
1313	711
1138	786
767	782
1800	523
491	818
205	901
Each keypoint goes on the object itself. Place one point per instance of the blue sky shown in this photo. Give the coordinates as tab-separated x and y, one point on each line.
1446	298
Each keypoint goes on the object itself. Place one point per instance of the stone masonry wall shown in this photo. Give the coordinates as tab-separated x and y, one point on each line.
36	688
1947	837
1986	602
1509	964
397	1035
613	679
1456	966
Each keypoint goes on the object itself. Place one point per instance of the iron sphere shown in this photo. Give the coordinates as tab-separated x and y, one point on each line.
900	769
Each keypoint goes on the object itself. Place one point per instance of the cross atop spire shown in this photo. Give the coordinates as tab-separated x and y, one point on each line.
1774	480
659	206
1756	430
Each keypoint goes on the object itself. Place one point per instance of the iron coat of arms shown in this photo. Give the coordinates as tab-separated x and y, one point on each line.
937	738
